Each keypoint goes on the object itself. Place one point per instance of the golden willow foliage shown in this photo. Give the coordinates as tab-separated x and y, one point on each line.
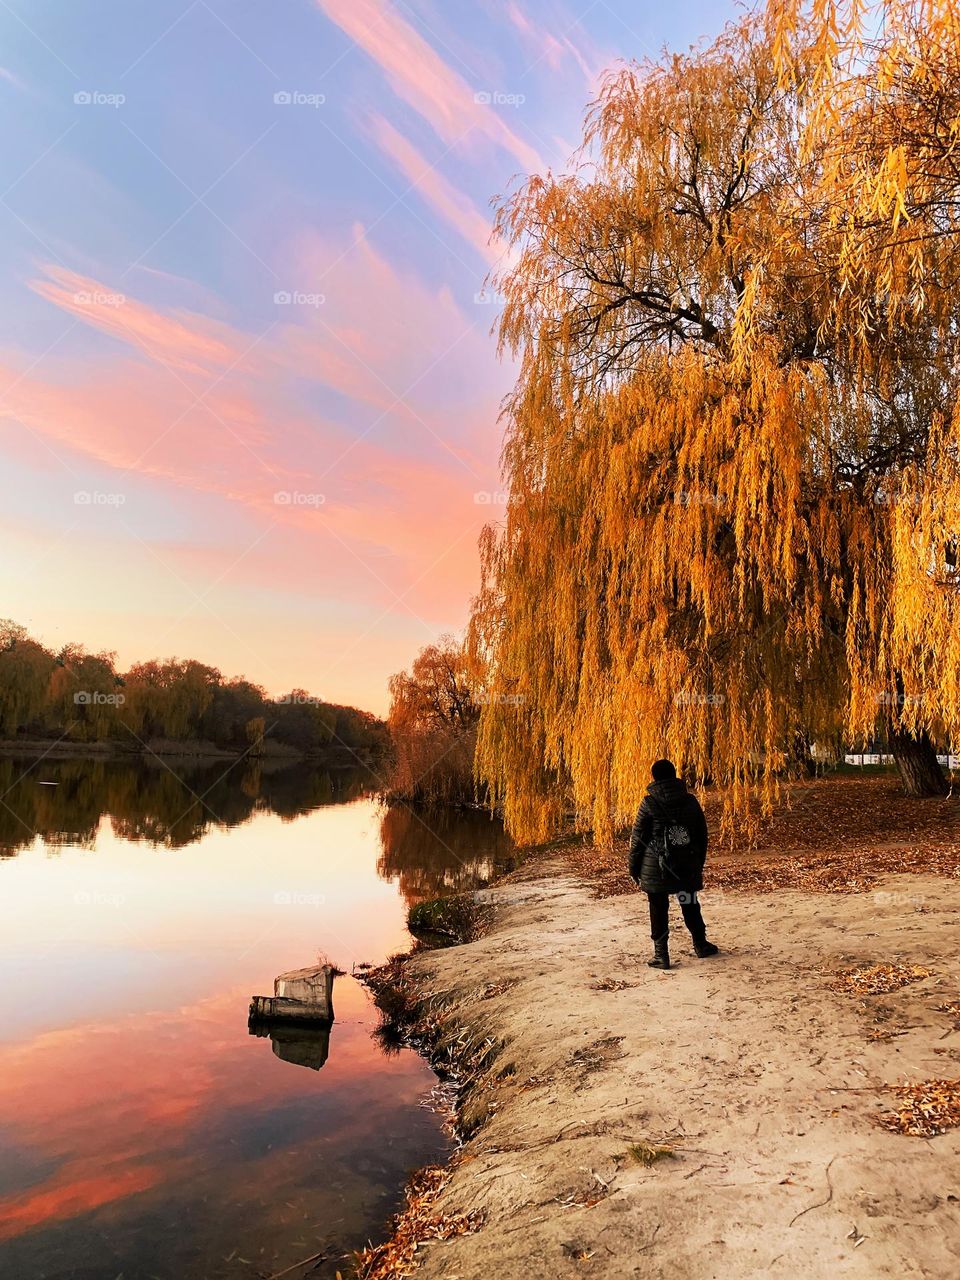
732	481
432	725
884	114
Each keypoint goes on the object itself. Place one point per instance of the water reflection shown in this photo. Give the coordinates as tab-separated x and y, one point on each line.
303	1046
438	854
170	803
143	1131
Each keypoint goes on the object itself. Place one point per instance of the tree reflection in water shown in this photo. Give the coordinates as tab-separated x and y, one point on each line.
169	803
173	804
432	853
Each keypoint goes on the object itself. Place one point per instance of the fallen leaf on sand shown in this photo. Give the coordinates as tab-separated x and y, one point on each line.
926	1108
416	1223
878	979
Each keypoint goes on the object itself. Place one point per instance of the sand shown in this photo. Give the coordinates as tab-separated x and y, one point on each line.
762	1080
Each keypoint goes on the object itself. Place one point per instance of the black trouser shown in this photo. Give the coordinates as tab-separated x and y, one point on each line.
660	915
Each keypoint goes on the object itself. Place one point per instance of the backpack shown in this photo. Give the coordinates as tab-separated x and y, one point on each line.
678	855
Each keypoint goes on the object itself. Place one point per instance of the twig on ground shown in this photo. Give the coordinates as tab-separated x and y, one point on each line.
297	1265
820	1203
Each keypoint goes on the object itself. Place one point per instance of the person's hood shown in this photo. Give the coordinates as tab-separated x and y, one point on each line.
668	792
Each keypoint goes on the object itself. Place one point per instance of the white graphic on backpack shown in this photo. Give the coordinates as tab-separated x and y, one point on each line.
677	844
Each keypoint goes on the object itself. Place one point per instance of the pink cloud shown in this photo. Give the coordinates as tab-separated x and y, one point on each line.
386	337
9	76
397	515
185	341
555	46
419	76
452	205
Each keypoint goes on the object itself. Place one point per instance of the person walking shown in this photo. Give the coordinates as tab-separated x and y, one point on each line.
668	848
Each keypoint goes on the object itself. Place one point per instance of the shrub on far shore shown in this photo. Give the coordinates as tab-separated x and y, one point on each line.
433	766
433	727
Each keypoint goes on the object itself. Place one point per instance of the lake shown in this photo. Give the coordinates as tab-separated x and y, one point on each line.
144	1132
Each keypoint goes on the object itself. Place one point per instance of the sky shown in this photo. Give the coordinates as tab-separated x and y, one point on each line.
249	395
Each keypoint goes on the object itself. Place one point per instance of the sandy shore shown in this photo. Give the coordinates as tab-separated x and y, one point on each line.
763	1081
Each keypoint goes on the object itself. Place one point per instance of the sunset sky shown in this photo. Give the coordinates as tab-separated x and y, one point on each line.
248	394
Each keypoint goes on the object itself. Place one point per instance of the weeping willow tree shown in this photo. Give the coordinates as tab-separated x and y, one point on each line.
731	480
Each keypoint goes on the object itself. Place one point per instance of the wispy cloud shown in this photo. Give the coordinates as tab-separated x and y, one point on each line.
557	44
11	78
222	415
421	77
457	209
185	341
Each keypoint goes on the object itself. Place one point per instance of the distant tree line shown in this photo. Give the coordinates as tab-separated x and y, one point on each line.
83	697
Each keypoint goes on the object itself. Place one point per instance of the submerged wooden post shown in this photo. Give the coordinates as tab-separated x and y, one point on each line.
302	995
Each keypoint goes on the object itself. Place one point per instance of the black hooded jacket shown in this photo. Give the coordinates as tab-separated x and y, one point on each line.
665	802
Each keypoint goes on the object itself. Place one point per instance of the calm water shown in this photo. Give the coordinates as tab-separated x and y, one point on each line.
143	1131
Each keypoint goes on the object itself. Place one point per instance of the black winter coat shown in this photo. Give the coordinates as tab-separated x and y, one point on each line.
665	802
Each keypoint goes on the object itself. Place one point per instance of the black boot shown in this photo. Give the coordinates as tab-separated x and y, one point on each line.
661	956
703	948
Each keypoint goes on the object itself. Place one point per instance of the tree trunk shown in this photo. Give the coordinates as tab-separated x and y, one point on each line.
919	767
802	757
